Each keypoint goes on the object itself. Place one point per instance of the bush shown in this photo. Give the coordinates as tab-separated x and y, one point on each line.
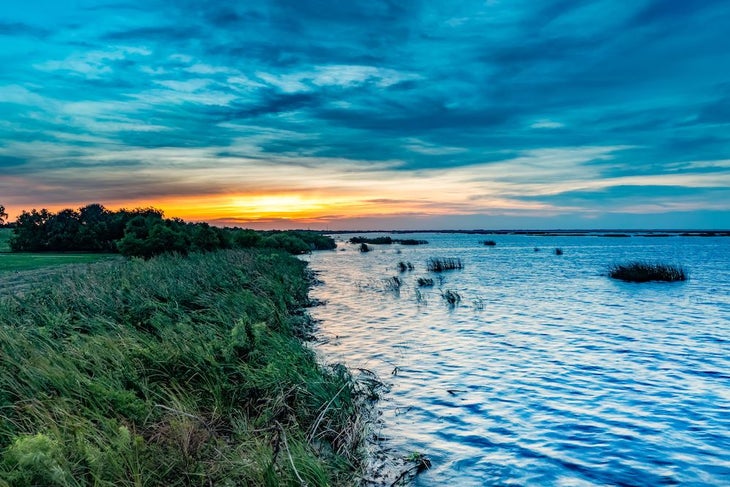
646	272
364	247
288	242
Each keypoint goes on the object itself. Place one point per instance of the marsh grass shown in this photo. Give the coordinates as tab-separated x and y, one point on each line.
172	371
393	284
440	264
372	240
404	266
646	272
424	282
452	298
411	241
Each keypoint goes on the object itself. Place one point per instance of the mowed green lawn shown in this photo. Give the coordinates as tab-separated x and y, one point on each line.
21	261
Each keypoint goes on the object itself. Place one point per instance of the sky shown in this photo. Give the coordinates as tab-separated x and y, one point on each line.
371	114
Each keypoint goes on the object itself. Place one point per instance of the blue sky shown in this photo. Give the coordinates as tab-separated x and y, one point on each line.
371	114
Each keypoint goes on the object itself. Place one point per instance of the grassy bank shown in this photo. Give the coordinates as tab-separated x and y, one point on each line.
172	371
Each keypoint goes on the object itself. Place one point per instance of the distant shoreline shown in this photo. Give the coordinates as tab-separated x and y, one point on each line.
557	233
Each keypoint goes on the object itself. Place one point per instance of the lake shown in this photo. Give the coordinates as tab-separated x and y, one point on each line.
547	372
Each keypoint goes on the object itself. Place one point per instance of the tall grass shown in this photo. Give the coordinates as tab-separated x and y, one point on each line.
645	272
172	372
452	298
439	264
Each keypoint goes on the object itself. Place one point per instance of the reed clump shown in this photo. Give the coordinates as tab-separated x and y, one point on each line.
452	298
646	272
172	371
393	284
372	240
404	266
440	264
424	282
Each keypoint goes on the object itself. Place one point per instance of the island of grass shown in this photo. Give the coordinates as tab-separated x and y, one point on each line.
647	272
440	264
386	241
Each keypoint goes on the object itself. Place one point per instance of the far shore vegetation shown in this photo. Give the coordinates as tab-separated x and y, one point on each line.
141	232
387	241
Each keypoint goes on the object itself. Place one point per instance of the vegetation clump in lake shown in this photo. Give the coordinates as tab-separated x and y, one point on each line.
440	264
424	282
646	272
386	241
172	371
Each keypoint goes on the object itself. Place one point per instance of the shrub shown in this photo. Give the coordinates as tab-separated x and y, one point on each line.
440	264
645	272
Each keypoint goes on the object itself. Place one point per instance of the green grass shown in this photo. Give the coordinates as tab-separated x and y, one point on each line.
171	372
21	261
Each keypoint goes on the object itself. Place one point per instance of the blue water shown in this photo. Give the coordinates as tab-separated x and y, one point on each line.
548	372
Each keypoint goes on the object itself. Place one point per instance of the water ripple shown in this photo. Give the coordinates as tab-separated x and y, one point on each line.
547	373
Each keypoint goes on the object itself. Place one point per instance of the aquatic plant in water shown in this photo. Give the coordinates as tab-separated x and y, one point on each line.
452	298
646	272
439	264
424	282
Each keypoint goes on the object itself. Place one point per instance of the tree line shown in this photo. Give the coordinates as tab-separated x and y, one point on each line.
143	232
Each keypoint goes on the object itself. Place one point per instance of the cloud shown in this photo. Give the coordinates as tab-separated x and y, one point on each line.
504	107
